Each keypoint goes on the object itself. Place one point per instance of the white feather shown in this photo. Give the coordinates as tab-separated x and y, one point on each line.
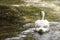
42	23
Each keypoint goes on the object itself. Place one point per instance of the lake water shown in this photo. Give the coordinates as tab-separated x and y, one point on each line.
53	34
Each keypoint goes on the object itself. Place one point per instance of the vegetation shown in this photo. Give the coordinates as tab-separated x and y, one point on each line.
9	22
11	1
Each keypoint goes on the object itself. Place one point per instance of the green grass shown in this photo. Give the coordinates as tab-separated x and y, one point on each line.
11	1
33	13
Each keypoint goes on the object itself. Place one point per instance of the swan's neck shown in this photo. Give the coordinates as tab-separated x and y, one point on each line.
43	15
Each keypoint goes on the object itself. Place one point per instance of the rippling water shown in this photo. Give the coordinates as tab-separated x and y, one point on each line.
53	34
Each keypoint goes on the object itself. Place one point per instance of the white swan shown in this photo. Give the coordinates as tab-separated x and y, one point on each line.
42	24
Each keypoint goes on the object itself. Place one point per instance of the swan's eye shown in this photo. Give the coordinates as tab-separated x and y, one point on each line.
45	26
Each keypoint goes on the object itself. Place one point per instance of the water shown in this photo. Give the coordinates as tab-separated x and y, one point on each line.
53	34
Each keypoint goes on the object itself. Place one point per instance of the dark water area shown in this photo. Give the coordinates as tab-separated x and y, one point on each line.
53	34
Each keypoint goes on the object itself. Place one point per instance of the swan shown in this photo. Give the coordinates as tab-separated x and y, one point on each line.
43	24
